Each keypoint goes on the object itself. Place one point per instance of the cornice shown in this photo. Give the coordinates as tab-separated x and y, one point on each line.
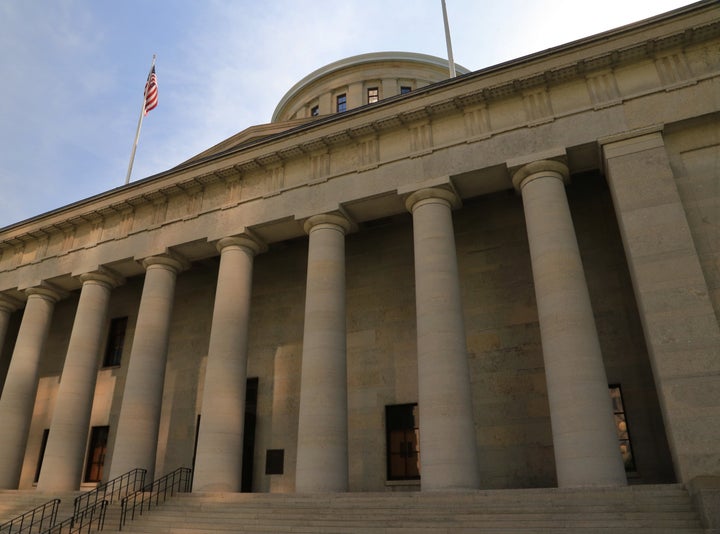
328	132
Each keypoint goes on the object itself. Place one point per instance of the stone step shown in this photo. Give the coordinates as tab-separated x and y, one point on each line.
16	502
380	526
318	525
457	515
426	507
646	509
423	529
396	529
420	507
550	495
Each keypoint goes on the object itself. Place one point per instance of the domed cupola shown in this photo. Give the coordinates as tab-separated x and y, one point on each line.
359	80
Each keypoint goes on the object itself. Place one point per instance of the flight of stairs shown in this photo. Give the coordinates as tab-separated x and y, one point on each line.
16	502
662	509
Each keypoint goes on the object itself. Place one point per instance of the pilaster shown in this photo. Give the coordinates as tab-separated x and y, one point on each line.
679	322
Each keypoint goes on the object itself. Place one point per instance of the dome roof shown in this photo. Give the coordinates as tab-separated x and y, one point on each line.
360	80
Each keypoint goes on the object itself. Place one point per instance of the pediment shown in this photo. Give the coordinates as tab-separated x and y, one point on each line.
248	135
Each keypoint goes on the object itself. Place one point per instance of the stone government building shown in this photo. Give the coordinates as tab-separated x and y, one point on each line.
508	279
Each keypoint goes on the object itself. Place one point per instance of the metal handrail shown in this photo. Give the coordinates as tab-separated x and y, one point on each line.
37	519
179	481
111	490
89	519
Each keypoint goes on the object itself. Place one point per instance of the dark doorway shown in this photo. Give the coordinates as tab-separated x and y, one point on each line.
403	443
96	453
251	395
197	435
43	445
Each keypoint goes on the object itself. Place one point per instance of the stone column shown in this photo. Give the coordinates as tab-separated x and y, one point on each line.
7	306
218	463
448	450
322	461
665	255
584	437
18	397
65	451
139	421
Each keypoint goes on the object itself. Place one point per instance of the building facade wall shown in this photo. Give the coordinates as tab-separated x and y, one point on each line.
633	116
505	354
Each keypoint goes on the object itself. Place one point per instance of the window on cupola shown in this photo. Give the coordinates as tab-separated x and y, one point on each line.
341	103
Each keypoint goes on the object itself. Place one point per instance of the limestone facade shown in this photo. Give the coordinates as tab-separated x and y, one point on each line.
498	248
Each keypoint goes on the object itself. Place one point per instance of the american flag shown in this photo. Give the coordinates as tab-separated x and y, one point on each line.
151	92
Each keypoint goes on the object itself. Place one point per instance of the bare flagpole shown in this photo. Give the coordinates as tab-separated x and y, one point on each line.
451	62
142	114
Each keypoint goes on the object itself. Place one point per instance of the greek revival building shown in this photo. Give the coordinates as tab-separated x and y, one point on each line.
507	279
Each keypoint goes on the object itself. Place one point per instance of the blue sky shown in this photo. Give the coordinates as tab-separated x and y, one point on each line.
73	72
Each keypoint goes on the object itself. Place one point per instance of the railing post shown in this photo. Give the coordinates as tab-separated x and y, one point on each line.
54	511
35	520
180	477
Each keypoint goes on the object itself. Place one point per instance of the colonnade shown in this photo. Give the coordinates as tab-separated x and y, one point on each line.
586	448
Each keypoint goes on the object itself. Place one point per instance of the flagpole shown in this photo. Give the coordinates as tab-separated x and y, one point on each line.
451	62
137	133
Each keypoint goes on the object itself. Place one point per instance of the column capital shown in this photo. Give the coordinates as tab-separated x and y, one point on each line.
170	261
442	194
47	291
9	304
103	276
244	240
336	220
545	168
